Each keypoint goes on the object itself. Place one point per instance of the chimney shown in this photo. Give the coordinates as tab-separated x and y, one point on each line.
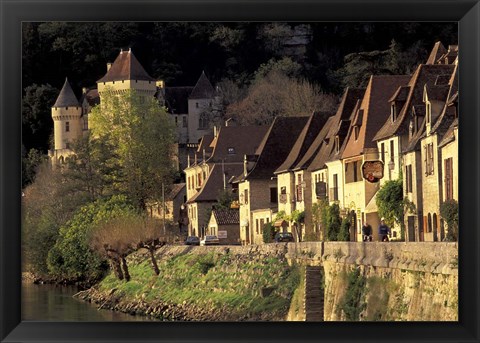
109	65
188	160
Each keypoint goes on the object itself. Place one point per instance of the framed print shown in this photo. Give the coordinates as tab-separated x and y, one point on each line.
313	151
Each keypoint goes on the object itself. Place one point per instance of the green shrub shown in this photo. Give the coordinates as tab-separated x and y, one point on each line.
268	233
352	303
449	213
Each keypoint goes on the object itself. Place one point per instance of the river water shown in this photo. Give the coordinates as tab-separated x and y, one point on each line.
56	303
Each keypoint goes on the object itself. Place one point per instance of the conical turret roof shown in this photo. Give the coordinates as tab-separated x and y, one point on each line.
66	97
203	89
126	67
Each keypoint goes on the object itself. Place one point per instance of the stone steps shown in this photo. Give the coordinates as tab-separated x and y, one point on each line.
313	301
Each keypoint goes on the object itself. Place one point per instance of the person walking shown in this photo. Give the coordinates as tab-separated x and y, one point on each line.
383	231
367	232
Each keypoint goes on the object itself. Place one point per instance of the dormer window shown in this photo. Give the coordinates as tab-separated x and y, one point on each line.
428	111
393	112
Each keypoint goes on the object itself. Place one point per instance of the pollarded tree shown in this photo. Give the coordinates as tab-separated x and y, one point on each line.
142	136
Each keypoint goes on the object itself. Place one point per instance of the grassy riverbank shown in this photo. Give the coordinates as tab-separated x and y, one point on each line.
205	283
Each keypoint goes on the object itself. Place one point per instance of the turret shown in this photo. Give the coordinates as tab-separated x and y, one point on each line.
66	115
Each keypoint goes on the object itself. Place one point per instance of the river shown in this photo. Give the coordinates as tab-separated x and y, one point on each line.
56	303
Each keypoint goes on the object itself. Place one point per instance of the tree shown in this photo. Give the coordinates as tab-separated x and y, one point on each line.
30	163
36	115
278	95
268	232
333	222
93	171
392	205
72	257
298	219
142	136
449	213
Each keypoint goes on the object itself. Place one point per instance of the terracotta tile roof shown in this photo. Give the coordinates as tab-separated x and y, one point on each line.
425	74
442	123
276	145
214	183
338	126
126	67
376	109
175	191
304	141
449	136
401	94
437	51
438	93
92	97
233	142
66	97
176	99
227	216
203	89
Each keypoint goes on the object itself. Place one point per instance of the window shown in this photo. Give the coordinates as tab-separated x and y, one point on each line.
231	151
246	196
85	122
353	172
435	222
67	126
392	151
408	173
262	222
393	112
203	121
428	150
448	181
334	190
184	121
273	195
429	113
67	145
299	188
429	223
382	152
283	195
256	225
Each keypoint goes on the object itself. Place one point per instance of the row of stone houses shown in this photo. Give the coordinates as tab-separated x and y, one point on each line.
408	122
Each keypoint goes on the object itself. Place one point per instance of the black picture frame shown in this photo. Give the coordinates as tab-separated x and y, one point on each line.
13	12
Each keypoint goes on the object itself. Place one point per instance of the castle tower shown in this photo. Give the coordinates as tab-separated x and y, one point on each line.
200	106
127	73
67	123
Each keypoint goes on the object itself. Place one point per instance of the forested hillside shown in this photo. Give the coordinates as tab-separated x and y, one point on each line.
323	57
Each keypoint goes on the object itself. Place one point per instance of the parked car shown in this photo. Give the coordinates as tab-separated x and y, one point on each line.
209	240
284	237
192	240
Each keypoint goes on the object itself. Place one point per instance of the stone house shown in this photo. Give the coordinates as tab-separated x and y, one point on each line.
225	224
441	135
360	147
398	139
222	158
293	180
257	186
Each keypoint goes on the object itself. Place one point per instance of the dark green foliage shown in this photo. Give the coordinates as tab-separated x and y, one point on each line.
71	257
333	222
352	304
30	164
268	233
344	233
449	213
